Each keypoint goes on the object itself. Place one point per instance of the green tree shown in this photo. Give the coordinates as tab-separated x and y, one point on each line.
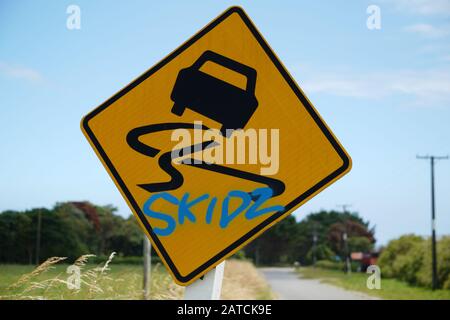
69	229
275	245
127	240
360	244
321	252
17	237
329	226
290	241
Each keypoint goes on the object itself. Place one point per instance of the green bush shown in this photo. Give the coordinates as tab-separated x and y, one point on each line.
443	250
407	266
136	260
400	259
409	259
443	264
330	265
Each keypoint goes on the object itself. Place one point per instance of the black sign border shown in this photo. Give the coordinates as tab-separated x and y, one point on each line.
345	166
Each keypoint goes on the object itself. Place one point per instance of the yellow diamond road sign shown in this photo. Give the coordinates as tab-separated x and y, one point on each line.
213	145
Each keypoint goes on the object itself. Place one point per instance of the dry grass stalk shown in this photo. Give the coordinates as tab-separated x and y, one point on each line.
163	287
43	267
105	266
242	281
82	260
97	275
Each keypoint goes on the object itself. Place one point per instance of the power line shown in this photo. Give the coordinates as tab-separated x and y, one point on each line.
433	216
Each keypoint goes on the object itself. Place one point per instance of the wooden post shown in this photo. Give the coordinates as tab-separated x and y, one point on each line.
147	266
38	238
208	288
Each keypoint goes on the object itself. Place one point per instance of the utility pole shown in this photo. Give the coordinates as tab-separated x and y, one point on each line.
344	207
433	217
147	266
38	237
348	265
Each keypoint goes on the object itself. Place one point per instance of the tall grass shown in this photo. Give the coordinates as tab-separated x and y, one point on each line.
51	281
242	281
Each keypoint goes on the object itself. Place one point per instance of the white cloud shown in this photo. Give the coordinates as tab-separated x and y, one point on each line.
20	72
428	30
418	87
423	7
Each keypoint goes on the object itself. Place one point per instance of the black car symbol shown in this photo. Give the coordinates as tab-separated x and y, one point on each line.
216	99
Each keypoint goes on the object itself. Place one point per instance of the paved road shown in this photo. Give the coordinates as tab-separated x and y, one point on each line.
288	286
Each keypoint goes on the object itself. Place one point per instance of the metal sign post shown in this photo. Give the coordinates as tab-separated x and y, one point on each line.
207	288
147	267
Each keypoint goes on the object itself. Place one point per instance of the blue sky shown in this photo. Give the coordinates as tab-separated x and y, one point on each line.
385	93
